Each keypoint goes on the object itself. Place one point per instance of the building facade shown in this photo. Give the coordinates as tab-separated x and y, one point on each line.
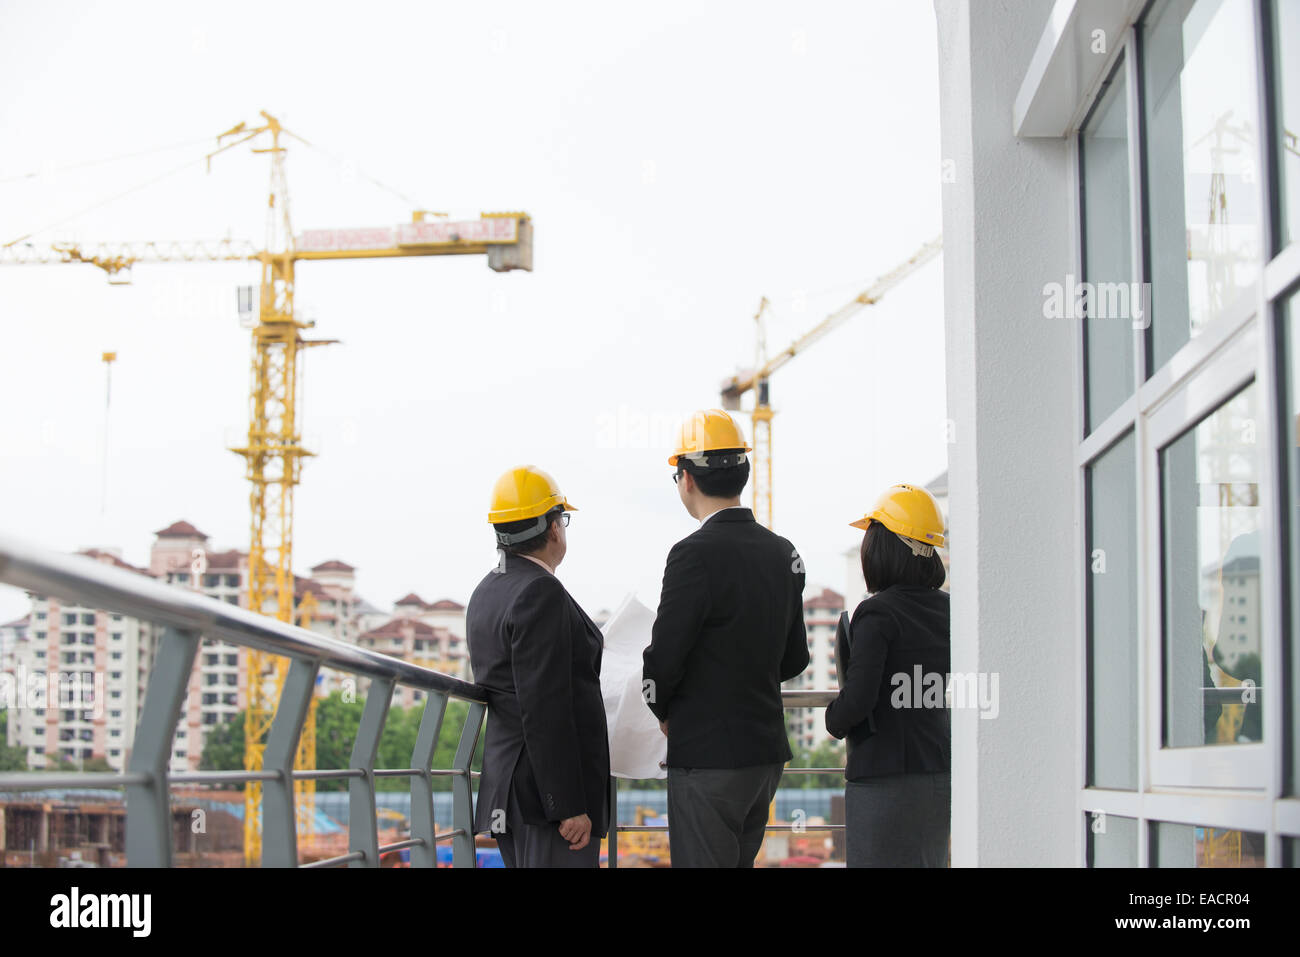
76	673
821	615
1121	204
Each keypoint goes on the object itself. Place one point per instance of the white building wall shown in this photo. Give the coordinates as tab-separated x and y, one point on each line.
1011	397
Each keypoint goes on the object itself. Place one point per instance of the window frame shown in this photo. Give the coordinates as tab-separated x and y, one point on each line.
1241	787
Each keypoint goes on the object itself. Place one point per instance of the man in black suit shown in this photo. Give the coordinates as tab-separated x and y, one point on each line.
729	630
543	793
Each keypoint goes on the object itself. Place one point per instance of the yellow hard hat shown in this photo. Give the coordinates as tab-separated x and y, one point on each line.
525	492
710	430
908	511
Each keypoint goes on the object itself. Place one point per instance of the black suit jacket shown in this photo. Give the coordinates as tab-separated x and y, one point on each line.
893	634
729	630
538	655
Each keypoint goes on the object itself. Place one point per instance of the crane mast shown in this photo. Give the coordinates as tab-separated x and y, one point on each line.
273	457
274	453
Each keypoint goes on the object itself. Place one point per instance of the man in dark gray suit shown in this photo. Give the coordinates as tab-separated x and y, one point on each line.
544	790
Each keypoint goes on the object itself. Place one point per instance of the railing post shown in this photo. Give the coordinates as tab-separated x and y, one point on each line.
423	824
462	794
612	846
279	815
363	826
148	806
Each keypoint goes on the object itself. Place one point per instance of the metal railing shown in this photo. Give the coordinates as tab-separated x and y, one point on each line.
187	617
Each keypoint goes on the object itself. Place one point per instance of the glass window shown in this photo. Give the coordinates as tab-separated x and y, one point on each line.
1112	617
1291	852
1286	34
1210	493
1107	252
1112	841
1187	845
1201	143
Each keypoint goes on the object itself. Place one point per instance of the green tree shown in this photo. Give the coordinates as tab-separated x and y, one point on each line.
827	754
11	759
223	750
444	755
337	722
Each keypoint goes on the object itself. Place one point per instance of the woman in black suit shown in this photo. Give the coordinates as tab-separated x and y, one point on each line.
891	707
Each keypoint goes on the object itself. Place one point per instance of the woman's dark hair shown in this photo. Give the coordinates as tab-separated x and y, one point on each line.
538	541
887	561
720	483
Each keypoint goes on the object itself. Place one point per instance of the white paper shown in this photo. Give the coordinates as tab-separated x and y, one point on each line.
636	745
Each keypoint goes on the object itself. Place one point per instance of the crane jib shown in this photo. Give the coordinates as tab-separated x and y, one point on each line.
495	230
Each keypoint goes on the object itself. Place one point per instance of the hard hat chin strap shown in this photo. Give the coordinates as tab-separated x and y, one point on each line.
715	460
918	548
514	538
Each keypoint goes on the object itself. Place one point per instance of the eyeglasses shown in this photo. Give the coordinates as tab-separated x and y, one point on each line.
677	477
564	519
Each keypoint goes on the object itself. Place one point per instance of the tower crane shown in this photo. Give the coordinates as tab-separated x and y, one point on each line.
756	381
274	453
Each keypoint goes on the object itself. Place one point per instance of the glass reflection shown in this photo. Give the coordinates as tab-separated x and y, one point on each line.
1211	558
1107	257
1201	143
1189	845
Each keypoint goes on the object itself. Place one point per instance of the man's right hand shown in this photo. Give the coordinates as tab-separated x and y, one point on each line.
577	831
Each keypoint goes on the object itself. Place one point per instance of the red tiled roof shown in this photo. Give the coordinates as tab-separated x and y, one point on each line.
333	565
303	585
108	558
181	529
18	622
446	604
227	559
394	628
412	599
827	599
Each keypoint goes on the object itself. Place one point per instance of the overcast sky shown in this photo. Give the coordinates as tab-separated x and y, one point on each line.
679	162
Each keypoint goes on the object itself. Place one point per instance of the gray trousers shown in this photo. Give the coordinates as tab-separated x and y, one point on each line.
716	816
540	845
899	820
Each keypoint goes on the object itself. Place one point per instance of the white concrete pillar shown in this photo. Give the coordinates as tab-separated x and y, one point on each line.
1011	396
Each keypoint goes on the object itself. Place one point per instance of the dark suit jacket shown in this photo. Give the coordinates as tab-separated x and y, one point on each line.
895	632
729	630
538	655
